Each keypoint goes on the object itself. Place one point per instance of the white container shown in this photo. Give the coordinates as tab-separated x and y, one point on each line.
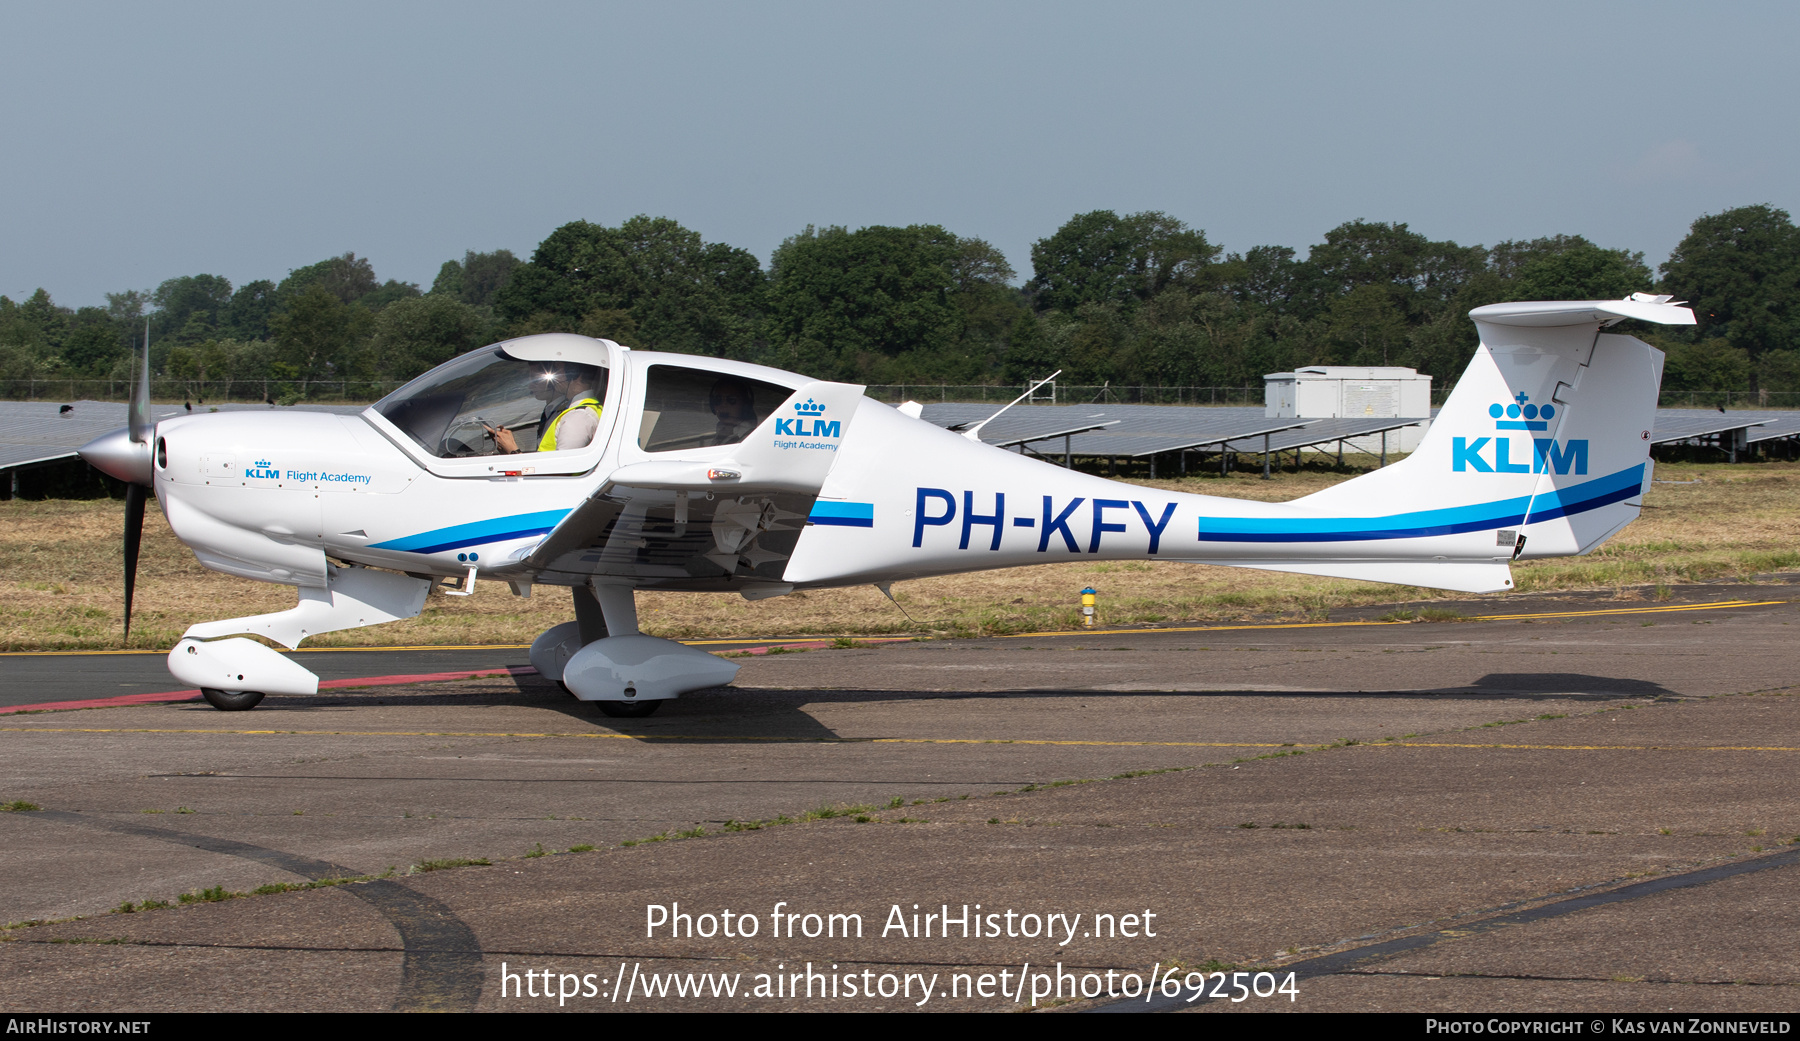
1354	392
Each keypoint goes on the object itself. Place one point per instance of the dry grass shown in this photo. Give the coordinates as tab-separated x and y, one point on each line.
60	585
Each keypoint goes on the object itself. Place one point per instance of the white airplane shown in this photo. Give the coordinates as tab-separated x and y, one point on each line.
705	474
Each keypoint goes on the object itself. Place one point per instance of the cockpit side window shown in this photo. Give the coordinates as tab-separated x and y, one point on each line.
695	408
458	409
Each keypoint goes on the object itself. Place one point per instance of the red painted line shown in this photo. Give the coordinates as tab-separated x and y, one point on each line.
123	699
190	694
381	681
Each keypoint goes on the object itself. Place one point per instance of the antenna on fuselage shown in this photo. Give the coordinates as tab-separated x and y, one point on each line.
887	590
974	432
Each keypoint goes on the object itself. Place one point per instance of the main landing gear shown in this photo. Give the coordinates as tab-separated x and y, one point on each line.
231	700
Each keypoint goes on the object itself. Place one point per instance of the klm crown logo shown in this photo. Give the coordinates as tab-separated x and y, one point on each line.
263	469
1521	416
264	463
809	424
1490	455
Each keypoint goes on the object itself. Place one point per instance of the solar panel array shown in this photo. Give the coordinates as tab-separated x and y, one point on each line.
40	432
1136	431
1782	425
1324	431
1684	424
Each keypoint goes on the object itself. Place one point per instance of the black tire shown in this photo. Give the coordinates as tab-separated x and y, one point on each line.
231	700
629	709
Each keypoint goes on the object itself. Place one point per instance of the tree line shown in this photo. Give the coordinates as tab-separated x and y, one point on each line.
1132	299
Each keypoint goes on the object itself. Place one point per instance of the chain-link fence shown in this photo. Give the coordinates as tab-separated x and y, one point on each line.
1065	394
287	392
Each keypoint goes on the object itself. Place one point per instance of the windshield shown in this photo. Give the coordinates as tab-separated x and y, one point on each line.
459	408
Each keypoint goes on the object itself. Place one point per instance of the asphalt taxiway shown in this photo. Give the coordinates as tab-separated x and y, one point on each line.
1588	805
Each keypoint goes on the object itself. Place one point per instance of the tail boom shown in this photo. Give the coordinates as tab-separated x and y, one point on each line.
1541	450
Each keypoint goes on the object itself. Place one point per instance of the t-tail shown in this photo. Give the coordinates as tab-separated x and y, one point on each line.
1541	450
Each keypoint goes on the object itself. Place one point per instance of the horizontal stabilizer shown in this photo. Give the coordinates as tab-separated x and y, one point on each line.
1547	314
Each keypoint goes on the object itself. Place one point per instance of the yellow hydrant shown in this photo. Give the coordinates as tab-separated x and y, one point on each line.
1088	599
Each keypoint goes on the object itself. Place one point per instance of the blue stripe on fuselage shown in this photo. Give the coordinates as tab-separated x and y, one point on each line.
1451	521
843	514
478	533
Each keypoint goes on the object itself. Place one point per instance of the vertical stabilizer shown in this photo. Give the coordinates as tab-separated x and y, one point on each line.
1546	436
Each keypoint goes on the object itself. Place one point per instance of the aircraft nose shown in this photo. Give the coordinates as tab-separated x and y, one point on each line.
117	455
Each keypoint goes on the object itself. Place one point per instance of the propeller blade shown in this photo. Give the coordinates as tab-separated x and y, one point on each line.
135	495
138	416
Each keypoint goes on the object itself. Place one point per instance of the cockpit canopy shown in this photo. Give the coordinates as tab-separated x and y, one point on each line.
454	410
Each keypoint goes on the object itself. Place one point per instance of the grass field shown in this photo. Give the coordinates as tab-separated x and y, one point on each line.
61	585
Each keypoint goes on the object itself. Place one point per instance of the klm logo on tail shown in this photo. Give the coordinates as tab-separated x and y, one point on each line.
1546	455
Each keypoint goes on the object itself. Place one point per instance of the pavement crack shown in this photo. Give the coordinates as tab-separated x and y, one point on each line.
441	970
1348	961
1541	978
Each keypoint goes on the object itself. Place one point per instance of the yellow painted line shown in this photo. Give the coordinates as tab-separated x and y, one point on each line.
592	736
1719	606
801	639
656	737
1593	748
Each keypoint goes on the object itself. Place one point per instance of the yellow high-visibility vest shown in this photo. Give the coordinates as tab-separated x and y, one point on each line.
548	442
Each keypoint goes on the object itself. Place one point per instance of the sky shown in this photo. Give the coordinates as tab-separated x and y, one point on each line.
146	140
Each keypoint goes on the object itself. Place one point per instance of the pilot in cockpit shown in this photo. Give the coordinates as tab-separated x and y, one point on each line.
735	410
571	417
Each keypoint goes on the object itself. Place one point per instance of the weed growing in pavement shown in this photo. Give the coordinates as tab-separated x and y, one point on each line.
20	806
210	895
447	863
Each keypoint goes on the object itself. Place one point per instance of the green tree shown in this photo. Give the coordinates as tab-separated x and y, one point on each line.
189	308
477	278
889	304
251	309
349	278
1741	271
95	342
1367	326
317	336
413	335
1567	267
1101	257
1712	364
673	291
